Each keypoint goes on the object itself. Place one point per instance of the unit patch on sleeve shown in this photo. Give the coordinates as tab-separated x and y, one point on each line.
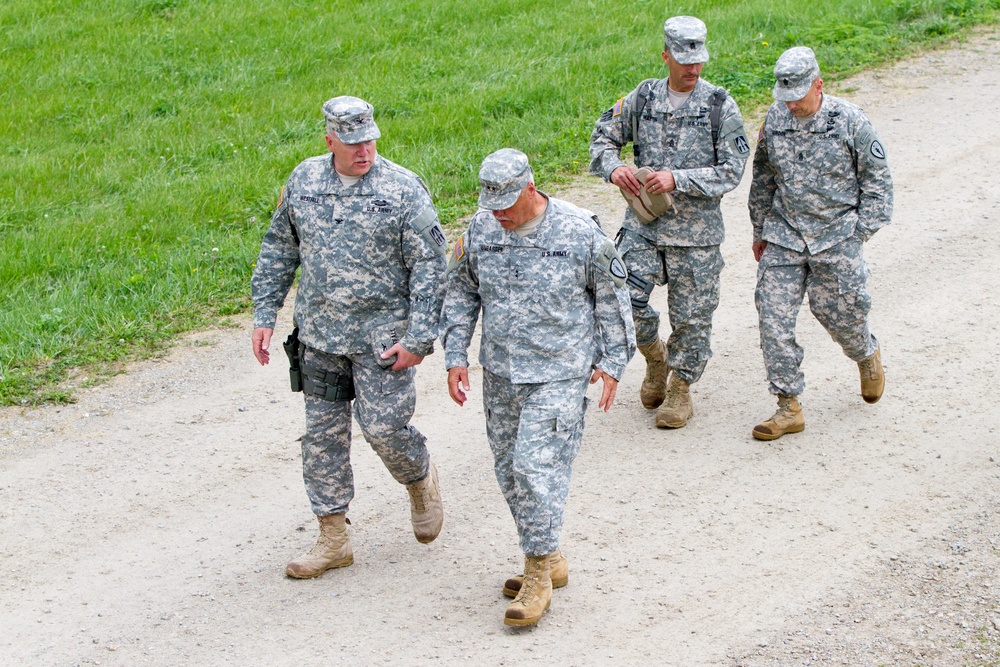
610	262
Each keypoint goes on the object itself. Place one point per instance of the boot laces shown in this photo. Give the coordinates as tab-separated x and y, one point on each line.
419	498
784	407
867	367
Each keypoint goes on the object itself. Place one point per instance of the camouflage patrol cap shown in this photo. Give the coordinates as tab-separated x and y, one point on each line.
684	37
794	72
502	176
350	118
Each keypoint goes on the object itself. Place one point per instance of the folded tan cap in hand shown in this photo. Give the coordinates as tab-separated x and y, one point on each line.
648	207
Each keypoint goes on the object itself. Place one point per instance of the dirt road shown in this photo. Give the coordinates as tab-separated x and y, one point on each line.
150	522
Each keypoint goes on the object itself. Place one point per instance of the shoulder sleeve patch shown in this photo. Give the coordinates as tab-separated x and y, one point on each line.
610	262
458	254
867	143
616	110
760	133
732	131
281	198
426	225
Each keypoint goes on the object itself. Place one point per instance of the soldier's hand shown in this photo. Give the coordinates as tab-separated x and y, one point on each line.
404	358
624	178
610	389
261	341
758	249
660	182
458	383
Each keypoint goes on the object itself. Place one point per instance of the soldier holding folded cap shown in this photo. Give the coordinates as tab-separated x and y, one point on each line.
690	146
821	188
551	288
372	254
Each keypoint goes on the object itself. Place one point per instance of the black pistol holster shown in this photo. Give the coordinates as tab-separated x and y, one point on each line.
314	381
292	346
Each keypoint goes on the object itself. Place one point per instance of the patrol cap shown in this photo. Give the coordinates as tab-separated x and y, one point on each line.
350	118
684	37
795	71
502	176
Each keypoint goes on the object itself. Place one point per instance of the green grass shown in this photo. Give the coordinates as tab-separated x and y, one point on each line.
143	142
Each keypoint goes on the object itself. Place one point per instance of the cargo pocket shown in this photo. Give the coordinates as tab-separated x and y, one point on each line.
853	297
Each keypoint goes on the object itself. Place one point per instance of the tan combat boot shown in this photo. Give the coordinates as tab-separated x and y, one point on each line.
654	385
788	419
426	510
872	377
677	409
558	573
535	594
332	549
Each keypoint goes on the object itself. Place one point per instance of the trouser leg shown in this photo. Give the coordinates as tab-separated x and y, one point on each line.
383	407
645	269
692	297
839	299
535	466
781	281
326	445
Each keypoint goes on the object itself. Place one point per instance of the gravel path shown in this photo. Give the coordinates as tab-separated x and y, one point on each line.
149	523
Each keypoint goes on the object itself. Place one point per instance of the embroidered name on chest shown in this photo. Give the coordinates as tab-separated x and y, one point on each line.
491	248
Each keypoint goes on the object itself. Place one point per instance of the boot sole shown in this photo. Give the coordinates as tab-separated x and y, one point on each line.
512	592
344	562
772	436
663	423
522	622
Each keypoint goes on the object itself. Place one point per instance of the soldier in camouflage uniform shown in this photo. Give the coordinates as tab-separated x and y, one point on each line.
550	286
690	136
821	188
372	253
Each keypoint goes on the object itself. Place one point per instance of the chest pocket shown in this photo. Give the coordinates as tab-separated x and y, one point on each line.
683	138
548	279
368	231
812	159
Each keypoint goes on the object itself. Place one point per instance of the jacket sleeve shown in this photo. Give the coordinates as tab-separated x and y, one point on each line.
732	149
874	180
424	246
461	305
762	186
615	336
276	265
611	132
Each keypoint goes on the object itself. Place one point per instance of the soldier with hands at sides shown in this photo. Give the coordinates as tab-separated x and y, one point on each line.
821	188
555	317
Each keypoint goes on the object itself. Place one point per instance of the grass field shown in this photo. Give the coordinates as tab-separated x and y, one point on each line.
144	141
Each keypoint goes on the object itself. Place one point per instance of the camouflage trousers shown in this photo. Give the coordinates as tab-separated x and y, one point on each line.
691	274
535	431
383	406
836	282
